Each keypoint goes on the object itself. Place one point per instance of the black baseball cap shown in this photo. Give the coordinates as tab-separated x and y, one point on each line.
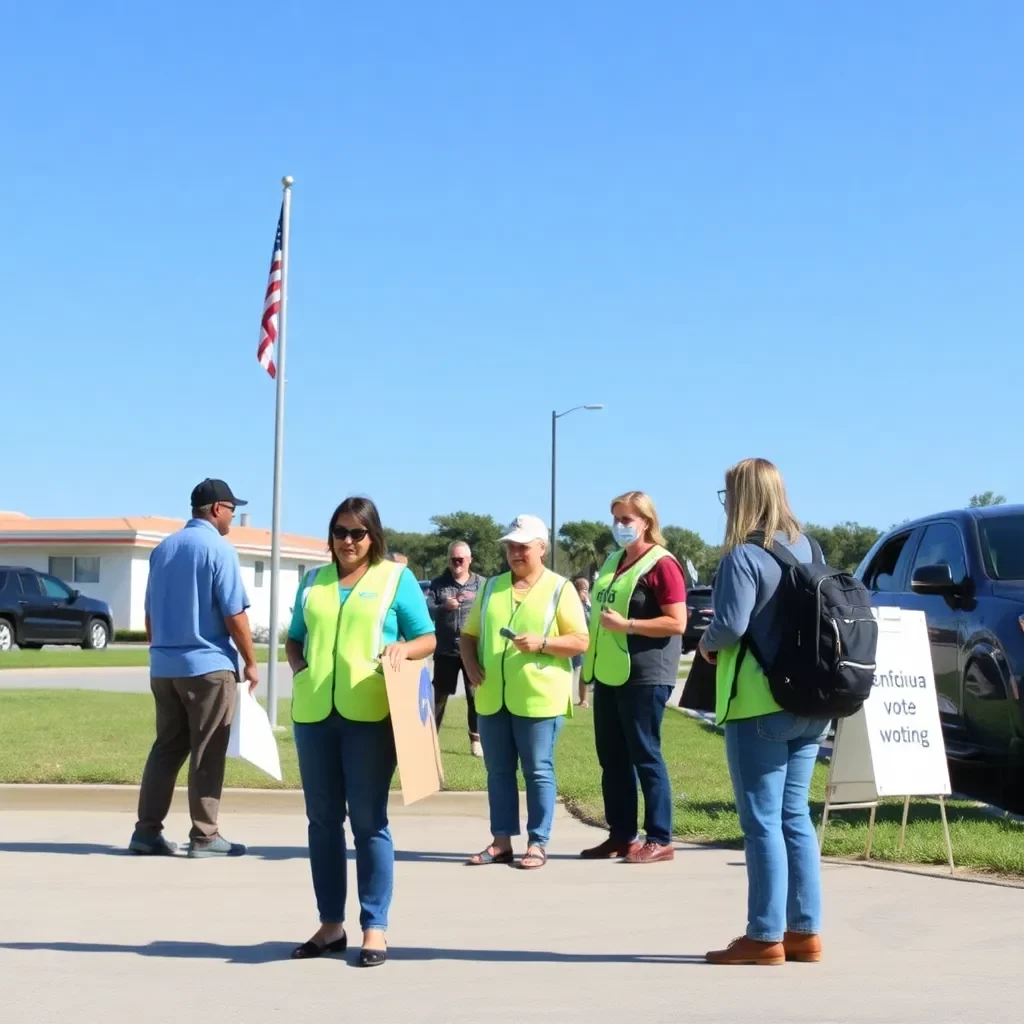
209	492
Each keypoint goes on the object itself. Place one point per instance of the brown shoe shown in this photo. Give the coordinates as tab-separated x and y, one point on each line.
749	951
802	949
610	849
650	853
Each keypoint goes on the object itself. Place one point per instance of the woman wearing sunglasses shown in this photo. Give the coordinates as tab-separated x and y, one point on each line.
347	617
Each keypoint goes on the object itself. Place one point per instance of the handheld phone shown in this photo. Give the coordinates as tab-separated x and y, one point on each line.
507	633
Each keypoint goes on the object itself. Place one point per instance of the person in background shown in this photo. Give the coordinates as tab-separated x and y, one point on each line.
517	646
582	585
196	625
348	617
636	642
450	599
771	753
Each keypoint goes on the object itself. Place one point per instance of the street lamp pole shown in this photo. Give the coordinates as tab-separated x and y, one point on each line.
555	417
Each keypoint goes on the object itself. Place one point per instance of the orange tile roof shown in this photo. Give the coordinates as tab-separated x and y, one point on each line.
13	526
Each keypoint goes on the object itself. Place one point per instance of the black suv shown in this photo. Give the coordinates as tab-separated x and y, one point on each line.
699	614
37	609
965	571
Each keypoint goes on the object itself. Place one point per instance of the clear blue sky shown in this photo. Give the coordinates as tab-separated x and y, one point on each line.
789	229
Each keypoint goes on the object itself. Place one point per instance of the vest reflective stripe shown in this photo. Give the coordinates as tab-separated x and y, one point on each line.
607	658
343	644
753	691
532	685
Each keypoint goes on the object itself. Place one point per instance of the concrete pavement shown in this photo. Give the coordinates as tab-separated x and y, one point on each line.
88	933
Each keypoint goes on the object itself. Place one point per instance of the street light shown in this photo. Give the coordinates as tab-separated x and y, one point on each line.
555	417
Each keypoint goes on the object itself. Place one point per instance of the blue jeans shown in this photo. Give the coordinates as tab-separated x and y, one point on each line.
508	739
345	762
771	759
627	733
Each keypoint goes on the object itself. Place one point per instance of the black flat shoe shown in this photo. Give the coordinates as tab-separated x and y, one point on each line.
310	950
372	957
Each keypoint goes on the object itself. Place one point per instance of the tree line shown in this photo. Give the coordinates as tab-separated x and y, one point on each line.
584	544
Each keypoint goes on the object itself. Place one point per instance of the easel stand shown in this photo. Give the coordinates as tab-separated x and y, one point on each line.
872	805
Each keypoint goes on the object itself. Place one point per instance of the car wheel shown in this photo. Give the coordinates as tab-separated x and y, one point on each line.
6	635
96	635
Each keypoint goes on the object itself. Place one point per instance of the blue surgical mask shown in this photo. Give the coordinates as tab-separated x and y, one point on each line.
624	535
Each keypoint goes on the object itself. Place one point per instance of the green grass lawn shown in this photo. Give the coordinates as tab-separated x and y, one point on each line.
75	657
80	736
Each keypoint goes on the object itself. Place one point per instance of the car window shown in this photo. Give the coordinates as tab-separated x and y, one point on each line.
942	545
888	567
29	583
701	599
1002	541
54	588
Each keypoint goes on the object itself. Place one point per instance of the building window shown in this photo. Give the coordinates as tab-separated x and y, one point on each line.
87	570
63	568
78	569
302	572
259	574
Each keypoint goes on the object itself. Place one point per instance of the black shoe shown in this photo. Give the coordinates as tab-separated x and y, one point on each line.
310	950
152	846
372	957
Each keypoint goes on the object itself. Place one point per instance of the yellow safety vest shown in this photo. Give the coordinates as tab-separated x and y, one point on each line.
753	691
607	658
537	685
343	642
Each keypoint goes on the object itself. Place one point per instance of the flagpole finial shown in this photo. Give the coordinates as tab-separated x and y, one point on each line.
287	181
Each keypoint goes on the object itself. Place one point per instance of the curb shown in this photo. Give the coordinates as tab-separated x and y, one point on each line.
124	799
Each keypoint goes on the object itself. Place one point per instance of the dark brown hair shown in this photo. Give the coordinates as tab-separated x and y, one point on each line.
363	510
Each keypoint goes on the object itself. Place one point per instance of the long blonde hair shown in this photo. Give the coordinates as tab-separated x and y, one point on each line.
755	499
643	504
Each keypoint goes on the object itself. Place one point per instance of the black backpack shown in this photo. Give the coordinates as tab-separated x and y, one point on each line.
826	662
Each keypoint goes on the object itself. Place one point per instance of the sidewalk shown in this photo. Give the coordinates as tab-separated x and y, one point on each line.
90	934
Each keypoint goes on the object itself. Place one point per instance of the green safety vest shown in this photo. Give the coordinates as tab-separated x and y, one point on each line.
537	685
753	692
343	642
608	653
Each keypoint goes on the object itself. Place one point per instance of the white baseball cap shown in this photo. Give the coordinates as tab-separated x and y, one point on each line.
525	529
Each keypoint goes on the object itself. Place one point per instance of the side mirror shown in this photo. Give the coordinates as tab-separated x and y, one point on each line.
933	579
75	595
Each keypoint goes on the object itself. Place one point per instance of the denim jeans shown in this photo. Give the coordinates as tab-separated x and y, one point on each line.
348	763
627	732
771	759
508	739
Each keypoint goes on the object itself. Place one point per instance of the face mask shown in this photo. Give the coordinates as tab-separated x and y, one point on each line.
624	535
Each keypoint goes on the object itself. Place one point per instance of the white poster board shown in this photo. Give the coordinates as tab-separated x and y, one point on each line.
893	746
252	737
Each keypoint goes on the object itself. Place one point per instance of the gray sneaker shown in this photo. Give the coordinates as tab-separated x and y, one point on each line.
218	847
152	846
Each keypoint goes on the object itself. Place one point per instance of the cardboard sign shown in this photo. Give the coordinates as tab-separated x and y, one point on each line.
893	746
410	696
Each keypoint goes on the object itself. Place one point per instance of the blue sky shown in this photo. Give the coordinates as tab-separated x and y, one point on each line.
790	230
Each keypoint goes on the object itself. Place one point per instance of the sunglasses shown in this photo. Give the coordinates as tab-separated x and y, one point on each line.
458	561
721	497
343	533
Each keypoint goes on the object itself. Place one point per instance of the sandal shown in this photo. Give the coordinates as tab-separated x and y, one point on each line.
487	857
537	854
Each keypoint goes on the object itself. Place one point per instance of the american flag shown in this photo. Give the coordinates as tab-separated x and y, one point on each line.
271	306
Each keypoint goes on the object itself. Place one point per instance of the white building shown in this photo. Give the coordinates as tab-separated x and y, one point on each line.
109	559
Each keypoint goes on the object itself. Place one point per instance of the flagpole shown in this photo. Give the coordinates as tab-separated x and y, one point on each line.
275	528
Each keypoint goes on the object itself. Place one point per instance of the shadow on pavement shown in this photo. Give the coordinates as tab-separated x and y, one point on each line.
77	849
271	952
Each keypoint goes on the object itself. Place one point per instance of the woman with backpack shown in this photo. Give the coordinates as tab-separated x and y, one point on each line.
771	752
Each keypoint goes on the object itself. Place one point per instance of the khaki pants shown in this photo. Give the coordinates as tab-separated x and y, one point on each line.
193	717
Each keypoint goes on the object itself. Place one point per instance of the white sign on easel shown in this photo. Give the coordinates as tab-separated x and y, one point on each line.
893	746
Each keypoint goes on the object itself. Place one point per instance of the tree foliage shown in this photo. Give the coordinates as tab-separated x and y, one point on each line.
985	499
585	545
845	544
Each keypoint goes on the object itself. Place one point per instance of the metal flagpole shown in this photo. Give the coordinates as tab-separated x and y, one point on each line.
275	528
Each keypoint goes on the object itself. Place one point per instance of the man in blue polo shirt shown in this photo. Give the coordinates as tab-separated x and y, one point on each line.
197	626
